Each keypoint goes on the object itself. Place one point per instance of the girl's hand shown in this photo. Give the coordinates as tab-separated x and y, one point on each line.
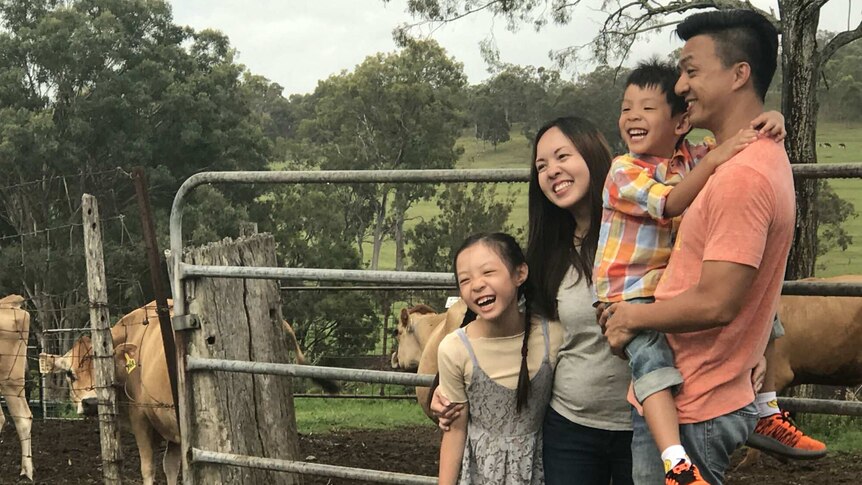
445	410
770	124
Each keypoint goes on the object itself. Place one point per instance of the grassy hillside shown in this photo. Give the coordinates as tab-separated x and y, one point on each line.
838	262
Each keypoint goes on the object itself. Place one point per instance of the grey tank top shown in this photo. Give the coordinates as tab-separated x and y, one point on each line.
591	383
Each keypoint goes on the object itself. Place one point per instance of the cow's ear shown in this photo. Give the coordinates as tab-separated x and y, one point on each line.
405	317
124	349
422	309
50	363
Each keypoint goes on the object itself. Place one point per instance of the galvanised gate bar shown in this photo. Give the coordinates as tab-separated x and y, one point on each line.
183	322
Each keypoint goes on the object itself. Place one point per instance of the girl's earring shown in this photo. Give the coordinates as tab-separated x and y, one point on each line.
522	304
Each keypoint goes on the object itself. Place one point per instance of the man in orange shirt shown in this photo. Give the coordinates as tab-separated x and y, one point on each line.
719	293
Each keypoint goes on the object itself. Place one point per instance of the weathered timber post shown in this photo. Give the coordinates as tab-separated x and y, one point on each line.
239	320
103	344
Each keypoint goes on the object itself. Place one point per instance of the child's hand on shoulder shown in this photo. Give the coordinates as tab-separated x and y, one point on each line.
771	124
731	147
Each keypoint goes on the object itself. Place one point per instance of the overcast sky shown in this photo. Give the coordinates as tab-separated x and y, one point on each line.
298	42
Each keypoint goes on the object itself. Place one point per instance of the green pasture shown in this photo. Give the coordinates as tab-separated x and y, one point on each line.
838	262
322	415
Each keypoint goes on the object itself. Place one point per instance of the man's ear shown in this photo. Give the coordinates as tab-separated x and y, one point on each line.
741	75
683	126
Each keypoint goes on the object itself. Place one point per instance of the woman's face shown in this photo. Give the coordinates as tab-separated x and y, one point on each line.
563	174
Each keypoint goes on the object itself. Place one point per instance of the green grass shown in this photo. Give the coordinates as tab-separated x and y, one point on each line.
320	415
837	262
840	433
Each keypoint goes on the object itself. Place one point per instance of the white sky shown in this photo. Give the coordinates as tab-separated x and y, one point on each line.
298	42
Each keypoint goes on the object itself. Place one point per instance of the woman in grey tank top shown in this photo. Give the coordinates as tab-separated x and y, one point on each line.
587	429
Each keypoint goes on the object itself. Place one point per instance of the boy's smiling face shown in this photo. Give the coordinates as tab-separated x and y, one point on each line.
646	123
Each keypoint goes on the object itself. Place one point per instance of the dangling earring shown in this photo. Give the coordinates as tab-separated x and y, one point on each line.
522	304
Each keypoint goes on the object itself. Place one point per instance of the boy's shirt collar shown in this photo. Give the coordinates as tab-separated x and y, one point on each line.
681	159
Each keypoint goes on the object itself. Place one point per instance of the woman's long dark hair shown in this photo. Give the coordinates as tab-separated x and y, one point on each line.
512	255
550	248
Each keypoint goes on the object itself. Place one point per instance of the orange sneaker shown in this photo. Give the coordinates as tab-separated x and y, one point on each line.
778	435
684	473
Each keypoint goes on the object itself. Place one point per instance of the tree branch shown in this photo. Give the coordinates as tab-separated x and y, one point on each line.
840	41
445	20
813	6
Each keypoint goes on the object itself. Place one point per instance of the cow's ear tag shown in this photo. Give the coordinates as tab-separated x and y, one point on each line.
452	300
130	364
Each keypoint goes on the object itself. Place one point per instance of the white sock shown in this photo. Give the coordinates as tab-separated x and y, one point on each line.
672	455
767	404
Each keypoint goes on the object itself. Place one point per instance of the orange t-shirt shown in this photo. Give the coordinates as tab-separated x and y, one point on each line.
745	214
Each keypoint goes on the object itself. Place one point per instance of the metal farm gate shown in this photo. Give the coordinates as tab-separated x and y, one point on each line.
197	453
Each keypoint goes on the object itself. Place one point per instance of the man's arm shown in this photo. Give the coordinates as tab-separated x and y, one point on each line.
714	302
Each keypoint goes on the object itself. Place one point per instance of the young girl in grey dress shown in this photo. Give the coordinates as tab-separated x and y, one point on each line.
497	438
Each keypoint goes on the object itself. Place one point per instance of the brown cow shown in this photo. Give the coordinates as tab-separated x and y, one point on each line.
823	341
144	392
142	382
415	328
441	325
14	331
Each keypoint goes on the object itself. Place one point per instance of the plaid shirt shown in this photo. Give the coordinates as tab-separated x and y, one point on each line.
635	238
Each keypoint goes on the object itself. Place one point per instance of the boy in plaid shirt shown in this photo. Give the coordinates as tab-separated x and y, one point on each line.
645	192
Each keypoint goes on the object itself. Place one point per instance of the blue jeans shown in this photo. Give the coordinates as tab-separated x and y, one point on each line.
579	455
708	444
651	361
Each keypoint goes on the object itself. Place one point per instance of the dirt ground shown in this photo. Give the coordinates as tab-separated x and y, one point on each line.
67	452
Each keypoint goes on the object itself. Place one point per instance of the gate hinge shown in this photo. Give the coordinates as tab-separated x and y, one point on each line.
185	322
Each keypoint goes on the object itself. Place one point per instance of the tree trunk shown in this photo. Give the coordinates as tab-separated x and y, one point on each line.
400	210
801	63
379	230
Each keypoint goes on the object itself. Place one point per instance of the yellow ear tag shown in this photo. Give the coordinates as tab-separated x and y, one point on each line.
130	364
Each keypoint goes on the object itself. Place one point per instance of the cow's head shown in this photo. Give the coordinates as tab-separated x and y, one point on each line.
409	349
77	364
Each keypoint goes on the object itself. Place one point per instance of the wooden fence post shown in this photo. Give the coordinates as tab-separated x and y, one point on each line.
103	344
240	320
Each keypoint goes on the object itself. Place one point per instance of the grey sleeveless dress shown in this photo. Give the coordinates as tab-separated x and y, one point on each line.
504	447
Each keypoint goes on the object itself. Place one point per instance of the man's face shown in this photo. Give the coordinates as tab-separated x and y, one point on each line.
704	82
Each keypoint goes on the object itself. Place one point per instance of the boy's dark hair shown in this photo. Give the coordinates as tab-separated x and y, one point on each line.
551	248
512	255
654	73
739	36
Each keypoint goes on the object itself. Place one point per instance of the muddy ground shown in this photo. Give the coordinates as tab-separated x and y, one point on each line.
67	452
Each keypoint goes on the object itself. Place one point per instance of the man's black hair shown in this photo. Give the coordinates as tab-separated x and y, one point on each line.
739	36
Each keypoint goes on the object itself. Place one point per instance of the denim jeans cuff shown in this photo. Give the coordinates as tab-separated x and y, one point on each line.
657	380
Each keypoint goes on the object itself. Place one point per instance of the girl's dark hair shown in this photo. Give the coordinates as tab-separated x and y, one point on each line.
551	248
510	252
